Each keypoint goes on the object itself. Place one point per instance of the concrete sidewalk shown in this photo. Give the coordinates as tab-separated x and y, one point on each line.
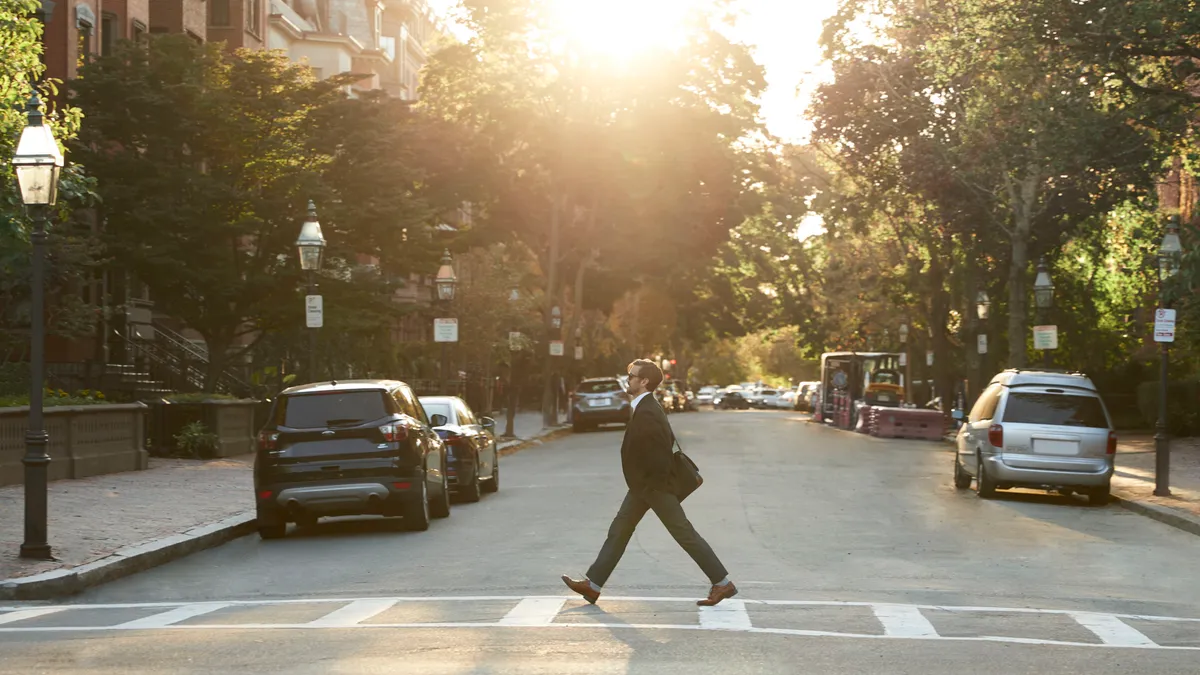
1133	481
108	526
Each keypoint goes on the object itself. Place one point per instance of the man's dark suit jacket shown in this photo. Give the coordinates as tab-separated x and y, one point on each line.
646	448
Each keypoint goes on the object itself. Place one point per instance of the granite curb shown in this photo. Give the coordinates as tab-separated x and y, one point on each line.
134	559
1164	514
126	561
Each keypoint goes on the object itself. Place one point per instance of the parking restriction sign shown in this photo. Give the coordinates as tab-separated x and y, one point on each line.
1164	325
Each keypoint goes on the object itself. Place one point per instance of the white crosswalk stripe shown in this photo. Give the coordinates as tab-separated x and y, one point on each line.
797	618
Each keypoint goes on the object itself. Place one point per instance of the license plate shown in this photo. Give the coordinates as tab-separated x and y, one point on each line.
1046	446
597	402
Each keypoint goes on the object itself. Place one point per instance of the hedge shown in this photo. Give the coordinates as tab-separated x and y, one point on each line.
1183	406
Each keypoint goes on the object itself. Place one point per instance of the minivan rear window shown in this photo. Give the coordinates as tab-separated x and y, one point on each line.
1057	409
601	387
312	411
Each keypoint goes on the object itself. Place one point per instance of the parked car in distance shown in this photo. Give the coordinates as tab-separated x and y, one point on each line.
1037	429
705	395
733	400
786	399
472	463
343	448
764	398
599	400
689	401
671	398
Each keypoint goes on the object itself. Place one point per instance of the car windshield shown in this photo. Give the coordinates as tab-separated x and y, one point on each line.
1055	409
443	409
316	410
600	387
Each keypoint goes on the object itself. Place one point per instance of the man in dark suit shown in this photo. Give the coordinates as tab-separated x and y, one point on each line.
646	463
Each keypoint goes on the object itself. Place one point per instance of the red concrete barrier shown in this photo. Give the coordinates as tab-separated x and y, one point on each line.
915	423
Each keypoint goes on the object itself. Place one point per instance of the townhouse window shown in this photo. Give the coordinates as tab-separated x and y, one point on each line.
218	13
109	33
139	31
85	43
253	16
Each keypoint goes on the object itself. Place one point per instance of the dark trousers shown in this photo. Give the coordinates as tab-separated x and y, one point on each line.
666	506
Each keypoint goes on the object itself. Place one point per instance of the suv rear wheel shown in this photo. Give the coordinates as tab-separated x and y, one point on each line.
416	518
272	530
1099	496
962	480
471	490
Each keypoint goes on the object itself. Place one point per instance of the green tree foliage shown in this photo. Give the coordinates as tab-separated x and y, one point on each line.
209	160
71	250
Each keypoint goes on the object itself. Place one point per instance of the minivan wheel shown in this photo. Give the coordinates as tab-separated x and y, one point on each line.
1099	496
441	504
984	485
416	518
962	480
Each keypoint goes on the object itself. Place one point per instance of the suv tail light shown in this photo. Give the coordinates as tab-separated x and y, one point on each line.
268	440
1112	442
996	436
393	433
455	439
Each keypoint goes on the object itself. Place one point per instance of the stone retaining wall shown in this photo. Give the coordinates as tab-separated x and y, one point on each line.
84	440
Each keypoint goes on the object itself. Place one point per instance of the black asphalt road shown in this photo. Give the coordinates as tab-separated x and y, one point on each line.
853	555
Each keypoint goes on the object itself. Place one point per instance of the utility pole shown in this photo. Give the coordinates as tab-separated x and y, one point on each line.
549	408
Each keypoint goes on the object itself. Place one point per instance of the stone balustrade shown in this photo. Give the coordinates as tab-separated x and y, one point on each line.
84	440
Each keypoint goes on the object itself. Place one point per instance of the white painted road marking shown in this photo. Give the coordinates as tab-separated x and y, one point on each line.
1113	631
903	621
171	617
534	612
729	615
897	621
354	613
25	614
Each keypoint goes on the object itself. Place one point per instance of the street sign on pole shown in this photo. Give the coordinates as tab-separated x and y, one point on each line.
445	330
1164	325
1045	337
556	348
929	358
903	359
578	352
314	311
981	343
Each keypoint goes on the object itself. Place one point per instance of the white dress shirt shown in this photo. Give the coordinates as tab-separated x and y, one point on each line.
638	399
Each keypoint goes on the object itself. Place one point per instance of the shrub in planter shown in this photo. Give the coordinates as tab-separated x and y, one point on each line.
196	441
56	397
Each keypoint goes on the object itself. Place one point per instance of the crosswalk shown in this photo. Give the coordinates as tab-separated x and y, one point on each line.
798	618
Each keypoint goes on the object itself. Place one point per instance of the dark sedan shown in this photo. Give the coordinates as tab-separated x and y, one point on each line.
472	463
732	400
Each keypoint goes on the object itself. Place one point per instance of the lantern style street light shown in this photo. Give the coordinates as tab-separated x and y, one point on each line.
311	245
1170	253
446	282
983	305
1043	297
37	163
514	346
555	317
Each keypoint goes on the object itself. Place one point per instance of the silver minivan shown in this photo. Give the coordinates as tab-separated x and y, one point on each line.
1037	429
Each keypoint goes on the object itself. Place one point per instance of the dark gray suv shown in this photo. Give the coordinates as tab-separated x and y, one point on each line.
344	448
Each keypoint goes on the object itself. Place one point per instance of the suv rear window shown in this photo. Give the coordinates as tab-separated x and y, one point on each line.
1057	409
312	411
601	387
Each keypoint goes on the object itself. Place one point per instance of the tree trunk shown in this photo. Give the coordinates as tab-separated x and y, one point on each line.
939	316
1021	196
218	358
549	388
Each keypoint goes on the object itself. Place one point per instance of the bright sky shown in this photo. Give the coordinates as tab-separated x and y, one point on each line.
784	34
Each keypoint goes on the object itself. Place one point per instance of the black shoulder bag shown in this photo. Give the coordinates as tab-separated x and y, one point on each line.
685	475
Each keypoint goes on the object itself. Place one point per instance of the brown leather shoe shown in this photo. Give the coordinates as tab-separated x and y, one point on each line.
582	587
717	594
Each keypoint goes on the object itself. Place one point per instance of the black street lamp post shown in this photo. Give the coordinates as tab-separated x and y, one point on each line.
514	348
446	282
311	244
1043	296
1169	254
37	162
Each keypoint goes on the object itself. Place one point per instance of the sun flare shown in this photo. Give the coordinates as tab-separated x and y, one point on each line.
620	29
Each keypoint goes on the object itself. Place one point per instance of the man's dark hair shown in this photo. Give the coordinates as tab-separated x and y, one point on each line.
650	371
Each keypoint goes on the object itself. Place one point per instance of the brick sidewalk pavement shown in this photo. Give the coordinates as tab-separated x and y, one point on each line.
93	517
1135	471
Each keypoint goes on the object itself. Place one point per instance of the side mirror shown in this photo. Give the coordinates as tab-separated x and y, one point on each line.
438	420
488	423
957	414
